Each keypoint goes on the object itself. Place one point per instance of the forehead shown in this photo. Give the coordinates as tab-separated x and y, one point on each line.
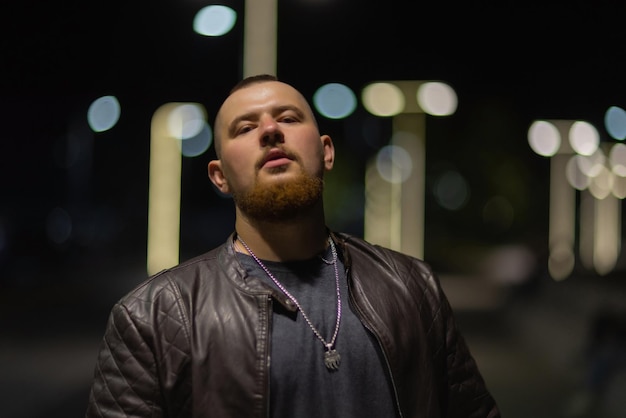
260	97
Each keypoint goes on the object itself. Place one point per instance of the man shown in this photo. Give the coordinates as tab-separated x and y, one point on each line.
285	319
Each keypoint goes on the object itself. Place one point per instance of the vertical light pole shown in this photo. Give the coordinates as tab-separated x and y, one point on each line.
171	123
163	194
603	214
260	33
550	139
578	163
399	221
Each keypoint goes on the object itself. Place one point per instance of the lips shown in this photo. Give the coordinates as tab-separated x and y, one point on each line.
275	158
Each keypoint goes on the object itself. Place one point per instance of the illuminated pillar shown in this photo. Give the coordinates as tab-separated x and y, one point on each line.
163	194
412	190
399	222
260	45
171	123
586	229
607	236
579	162
562	219
551	138
379	209
606	215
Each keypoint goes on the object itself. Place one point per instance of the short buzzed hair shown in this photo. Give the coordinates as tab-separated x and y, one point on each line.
253	79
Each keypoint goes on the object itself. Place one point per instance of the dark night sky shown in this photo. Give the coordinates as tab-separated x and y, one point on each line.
510	63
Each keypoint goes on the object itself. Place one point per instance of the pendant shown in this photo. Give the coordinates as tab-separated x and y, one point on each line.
331	359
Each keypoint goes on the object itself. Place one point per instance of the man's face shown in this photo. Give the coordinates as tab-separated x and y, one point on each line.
272	157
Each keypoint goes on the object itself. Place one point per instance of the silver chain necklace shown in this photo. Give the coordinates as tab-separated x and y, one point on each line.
331	356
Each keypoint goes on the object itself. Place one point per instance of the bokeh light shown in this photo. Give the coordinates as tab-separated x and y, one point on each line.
584	138
451	190
198	144
394	163
103	113
615	122
575	176
436	98
544	138
186	120
591	165
215	20
334	101
383	99
617	159
602	184
619	187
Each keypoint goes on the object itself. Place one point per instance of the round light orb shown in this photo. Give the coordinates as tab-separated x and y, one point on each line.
198	144
591	165
334	101
186	121
394	164
575	176
436	98
544	138
617	159
602	184
619	187
383	99
451	190
584	138
214	20
615	122
103	113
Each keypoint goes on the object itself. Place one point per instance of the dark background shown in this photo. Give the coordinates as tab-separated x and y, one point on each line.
510	63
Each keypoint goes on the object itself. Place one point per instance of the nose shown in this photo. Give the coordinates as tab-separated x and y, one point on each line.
270	132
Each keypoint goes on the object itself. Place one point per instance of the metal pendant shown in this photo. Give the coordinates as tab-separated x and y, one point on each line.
332	359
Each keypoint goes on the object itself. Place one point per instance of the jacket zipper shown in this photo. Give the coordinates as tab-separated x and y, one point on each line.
268	350
382	349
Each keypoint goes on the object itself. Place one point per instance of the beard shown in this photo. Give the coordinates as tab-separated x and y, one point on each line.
280	201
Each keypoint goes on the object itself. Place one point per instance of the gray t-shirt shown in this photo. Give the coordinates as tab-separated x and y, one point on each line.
300	384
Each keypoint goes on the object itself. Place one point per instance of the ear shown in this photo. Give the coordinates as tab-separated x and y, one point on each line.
329	152
216	174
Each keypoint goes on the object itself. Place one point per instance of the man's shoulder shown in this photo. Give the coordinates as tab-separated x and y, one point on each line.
356	245
368	257
175	280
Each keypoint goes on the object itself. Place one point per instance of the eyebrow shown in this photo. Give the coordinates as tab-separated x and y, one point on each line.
252	116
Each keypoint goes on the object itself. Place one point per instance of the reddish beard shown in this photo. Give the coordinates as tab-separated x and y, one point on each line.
280	201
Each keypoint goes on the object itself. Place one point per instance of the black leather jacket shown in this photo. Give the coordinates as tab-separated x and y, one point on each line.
193	340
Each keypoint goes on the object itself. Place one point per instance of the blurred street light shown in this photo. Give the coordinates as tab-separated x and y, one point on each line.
394	185
579	162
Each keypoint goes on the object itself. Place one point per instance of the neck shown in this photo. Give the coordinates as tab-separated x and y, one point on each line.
282	241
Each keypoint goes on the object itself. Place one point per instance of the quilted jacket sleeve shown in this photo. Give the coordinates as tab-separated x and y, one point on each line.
468	394
125	378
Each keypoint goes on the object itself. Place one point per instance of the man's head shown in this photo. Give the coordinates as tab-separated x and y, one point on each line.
271	156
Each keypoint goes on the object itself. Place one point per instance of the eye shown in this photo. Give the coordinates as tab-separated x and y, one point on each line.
244	129
288	119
